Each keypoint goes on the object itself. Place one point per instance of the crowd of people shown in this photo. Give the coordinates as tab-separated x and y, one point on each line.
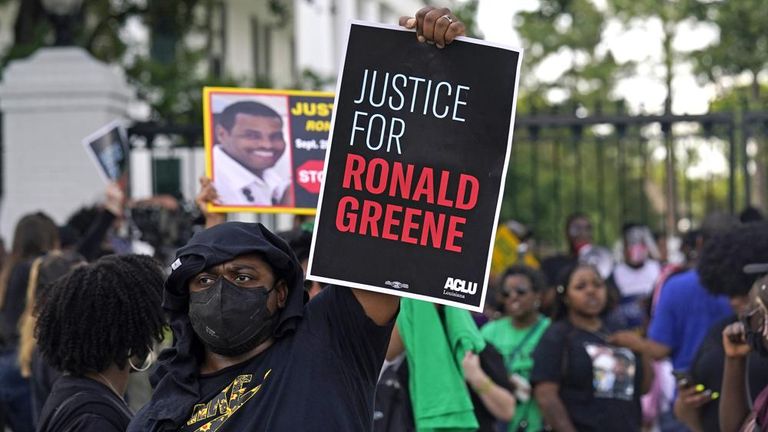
589	340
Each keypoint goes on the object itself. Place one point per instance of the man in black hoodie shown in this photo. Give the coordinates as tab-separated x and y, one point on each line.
249	353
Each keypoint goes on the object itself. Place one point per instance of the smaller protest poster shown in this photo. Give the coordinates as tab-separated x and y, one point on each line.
108	148
420	145
507	251
265	149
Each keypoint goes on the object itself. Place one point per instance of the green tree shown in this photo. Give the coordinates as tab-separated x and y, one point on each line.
740	49
571	29
169	77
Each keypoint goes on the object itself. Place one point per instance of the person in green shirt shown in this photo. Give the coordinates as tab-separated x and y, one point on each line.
516	335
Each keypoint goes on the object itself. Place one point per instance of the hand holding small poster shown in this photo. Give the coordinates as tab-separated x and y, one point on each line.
414	175
108	148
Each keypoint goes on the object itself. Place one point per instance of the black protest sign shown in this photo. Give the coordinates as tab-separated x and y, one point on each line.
265	149
108	148
414	175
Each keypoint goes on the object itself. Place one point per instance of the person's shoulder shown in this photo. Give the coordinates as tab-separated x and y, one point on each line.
82	406
495	326
557	329
684	280
546	322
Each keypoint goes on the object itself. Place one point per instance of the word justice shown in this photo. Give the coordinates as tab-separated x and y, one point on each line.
413	94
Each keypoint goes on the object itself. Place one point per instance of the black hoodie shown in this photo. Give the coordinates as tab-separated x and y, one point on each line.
321	369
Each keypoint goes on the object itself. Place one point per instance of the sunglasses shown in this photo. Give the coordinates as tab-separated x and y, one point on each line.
519	290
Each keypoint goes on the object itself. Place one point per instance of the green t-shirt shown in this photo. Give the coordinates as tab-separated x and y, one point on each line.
507	339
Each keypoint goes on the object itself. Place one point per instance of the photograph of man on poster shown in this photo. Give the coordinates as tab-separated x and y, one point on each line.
250	157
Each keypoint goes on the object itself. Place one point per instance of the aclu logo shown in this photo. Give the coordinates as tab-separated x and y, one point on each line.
455	287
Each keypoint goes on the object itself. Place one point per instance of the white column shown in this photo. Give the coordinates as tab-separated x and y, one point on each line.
50	102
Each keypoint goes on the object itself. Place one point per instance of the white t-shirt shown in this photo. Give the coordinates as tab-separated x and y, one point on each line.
636	281
236	185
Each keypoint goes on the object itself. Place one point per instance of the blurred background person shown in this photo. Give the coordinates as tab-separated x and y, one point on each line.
35	234
684	313
635	276
516	335
721	269
586	377
97	324
45	271
739	340
455	380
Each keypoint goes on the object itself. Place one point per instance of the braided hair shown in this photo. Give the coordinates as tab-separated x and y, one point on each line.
102	313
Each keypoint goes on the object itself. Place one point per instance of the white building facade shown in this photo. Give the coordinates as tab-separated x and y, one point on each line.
270	43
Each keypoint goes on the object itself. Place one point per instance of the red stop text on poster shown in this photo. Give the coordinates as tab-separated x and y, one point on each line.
310	175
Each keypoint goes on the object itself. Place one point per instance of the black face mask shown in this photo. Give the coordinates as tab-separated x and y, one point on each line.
231	320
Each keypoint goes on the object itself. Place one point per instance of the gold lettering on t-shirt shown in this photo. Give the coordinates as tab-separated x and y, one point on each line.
226	403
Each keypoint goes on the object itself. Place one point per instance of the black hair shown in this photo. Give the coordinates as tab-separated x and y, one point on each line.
724	256
34	235
563	280
537	279
81	220
227	117
300	241
102	313
715	223
750	214
628	226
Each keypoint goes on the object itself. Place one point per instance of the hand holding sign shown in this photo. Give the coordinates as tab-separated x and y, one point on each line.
434	25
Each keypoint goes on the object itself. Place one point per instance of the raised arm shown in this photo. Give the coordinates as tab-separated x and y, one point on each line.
734	408
208	195
498	400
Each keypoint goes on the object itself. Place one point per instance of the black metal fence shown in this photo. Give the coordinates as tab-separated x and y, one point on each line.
614	167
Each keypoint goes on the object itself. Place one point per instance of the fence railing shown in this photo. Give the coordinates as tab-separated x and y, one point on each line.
614	167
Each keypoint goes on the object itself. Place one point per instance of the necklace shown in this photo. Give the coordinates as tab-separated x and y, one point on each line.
109	384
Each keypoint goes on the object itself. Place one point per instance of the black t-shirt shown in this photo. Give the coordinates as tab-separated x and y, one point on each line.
599	383
554	265
41	382
322	378
492	364
707	369
83	405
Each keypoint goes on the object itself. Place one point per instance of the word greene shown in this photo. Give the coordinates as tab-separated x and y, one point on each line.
405	224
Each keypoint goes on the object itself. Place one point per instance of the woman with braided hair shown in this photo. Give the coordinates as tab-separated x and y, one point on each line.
97	324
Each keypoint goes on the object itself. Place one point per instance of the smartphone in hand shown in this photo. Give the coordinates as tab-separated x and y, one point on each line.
683	378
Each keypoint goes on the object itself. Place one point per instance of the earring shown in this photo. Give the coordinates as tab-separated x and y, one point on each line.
147	361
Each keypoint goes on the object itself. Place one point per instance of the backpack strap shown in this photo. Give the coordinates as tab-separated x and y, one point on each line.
73	407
